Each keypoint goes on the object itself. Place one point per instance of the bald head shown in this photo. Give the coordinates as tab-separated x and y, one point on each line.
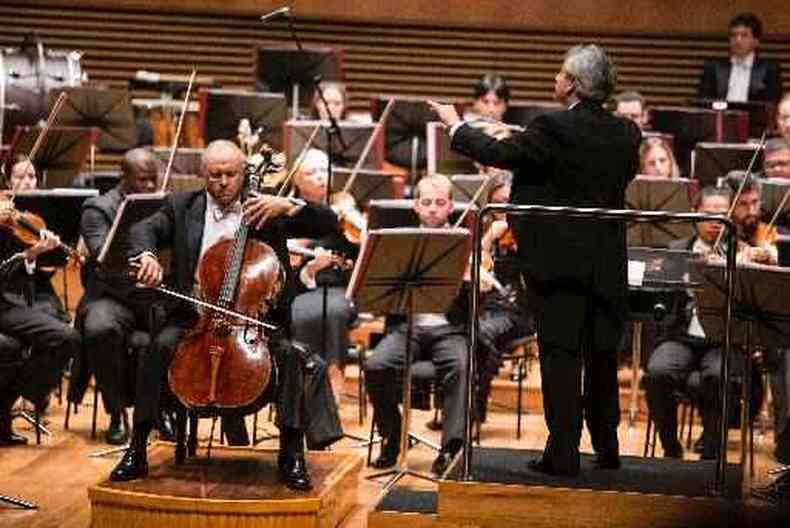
140	171
223	168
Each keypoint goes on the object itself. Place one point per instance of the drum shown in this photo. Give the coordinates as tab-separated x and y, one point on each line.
26	76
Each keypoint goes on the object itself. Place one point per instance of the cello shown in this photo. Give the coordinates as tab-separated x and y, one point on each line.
224	362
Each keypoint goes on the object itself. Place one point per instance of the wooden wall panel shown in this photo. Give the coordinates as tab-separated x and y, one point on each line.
435	61
617	16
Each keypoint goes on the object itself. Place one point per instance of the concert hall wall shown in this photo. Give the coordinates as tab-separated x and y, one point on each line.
405	46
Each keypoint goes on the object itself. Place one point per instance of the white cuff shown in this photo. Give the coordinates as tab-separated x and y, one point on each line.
30	267
454	128
307	278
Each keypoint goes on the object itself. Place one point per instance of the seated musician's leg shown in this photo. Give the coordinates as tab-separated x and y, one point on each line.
667	370
151	373
710	371
450	354
780	391
10	389
381	375
106	323
330	342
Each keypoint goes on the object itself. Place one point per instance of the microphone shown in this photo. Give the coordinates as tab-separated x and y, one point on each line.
276	13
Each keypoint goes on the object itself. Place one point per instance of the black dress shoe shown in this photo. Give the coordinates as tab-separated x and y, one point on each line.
293	471
116	433
607	461
133	465
542	466
443	461
386	458
12	439
673	450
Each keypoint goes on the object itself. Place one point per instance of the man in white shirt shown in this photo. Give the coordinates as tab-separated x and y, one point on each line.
744	76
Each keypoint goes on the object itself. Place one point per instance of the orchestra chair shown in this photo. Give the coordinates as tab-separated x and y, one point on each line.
424	389
522	350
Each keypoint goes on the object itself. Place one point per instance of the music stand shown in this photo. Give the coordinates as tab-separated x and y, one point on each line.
61	155
355	135
668	139
522	113
690	126
761	113
284	69
114	255
649	193
187	161
109	110
773	190
761	318
56	207
712	161
368	185
221	111
466	186
400	213
408	271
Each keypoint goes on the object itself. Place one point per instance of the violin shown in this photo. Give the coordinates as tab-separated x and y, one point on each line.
352	222
339	261
26	227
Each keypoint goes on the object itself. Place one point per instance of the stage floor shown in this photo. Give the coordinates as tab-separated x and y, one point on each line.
57	474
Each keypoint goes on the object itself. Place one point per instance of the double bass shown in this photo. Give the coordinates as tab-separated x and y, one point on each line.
224	362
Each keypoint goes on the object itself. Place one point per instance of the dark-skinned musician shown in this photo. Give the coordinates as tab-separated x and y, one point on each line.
31	315
112	308
575	270
189	223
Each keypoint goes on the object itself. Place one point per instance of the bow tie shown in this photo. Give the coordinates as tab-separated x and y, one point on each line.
220	214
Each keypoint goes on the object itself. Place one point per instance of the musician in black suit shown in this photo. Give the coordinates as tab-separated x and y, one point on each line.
112	308
190	223
744	76
31	315
683	348
575	270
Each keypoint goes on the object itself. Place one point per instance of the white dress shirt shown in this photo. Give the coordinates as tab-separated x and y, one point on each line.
740	75
219	223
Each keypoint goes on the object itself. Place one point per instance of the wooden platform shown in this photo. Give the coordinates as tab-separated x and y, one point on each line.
504	493
235	487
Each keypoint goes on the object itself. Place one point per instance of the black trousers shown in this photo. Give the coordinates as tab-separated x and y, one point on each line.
447	347
564	404
307	323
106	324
304	402
52	341
668	371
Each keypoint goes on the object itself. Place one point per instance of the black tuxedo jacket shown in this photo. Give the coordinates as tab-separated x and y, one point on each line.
765	83
179	226
19	289
582	157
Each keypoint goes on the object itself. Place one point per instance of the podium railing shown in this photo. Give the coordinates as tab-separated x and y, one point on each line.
598	214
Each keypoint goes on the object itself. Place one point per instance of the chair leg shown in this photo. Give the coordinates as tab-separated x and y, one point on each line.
682	421
255	428
68	415
37	426
689	439
521	375
370	439
363	407
192	441
181	434
95	411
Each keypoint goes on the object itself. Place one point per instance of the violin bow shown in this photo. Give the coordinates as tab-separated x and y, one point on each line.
737	196
298	161
174	147
53	115
364	155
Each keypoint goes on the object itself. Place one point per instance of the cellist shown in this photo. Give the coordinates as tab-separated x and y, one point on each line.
190	223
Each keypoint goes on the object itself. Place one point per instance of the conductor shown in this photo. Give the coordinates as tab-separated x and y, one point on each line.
574	269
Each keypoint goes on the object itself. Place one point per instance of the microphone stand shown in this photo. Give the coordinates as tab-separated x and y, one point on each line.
332	131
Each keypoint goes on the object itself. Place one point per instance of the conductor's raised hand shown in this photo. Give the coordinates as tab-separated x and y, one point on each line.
446	112
149	271
258	208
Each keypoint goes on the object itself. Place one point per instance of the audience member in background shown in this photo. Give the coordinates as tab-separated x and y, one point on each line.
336	99
23	176
631	105
657	159
491	97
744	76
783	117
776	158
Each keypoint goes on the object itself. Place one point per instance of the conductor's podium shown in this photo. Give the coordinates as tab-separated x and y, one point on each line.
503	493
235	487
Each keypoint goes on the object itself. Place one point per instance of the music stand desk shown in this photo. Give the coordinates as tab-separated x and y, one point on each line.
761	318
114	256
368	185
649	193
355	136
57	207
408	271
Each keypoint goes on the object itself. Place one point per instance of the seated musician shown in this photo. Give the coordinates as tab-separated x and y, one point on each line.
783	117
440	337
504	315
23	176
682	348
307	313
491	95
190	223
776	158
112	308
657	159
756	239
31	315
336	99
632	105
